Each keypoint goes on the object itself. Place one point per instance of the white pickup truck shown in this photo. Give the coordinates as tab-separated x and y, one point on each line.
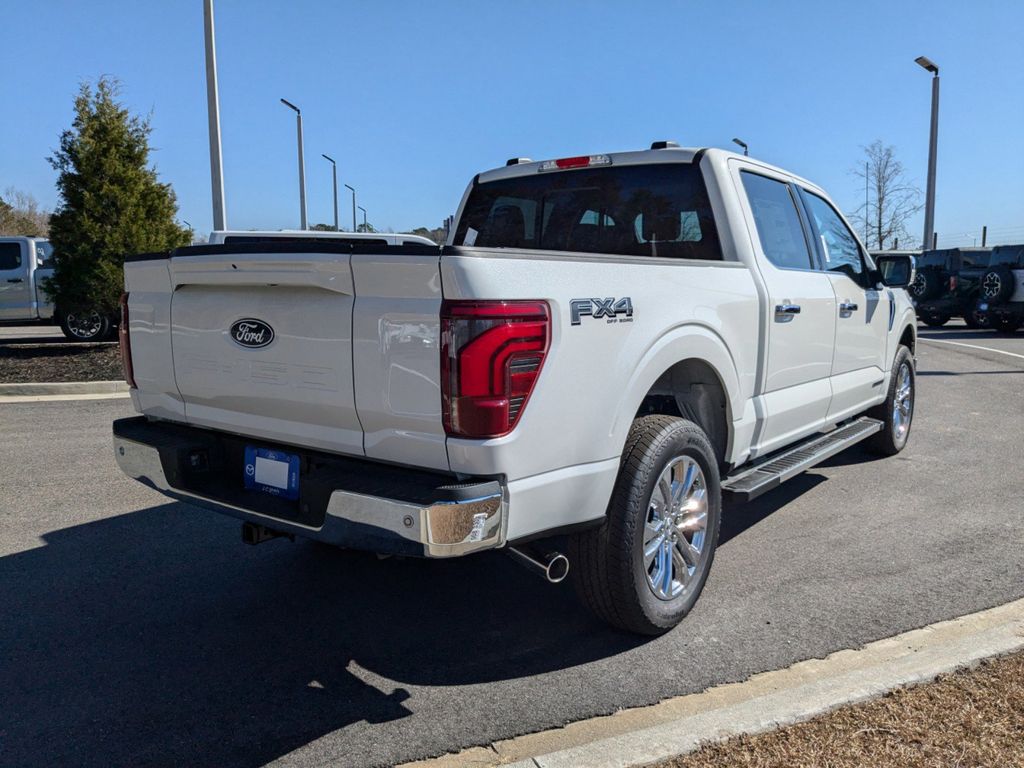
25	262
606	346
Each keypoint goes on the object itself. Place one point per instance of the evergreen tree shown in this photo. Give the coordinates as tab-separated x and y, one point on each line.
111	204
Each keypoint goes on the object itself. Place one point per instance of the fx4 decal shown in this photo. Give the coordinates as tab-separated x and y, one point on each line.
598	308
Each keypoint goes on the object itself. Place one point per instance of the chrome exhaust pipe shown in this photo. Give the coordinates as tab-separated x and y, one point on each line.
553	566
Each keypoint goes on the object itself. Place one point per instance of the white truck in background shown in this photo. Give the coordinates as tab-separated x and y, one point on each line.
25	262
606	346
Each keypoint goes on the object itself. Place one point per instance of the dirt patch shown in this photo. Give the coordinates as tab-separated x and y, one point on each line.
23	363
974	717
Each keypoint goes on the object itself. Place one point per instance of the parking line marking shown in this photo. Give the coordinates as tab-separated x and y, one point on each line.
972	346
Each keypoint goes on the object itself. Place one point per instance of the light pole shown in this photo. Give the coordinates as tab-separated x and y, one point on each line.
353	206
213	116
365	229
742	144
933	142
334	176
302	164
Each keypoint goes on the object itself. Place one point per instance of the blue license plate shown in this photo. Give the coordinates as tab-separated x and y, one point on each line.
273	472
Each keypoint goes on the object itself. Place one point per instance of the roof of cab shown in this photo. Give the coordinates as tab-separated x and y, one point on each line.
640	157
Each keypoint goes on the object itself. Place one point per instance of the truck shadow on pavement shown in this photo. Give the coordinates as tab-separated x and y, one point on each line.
158	638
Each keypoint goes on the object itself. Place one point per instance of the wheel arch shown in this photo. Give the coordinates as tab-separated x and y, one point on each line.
687	372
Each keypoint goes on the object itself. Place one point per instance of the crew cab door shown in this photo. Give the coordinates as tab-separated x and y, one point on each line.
862	312
15	287
799	314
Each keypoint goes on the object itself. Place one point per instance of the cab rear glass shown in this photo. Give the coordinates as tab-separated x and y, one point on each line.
635	210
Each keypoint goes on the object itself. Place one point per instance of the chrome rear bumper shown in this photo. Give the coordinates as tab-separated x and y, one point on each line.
460	520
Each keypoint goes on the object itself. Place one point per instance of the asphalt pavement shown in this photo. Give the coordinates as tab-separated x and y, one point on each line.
137	631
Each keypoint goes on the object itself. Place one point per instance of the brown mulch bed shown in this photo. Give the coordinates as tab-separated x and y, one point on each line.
973	717
24	363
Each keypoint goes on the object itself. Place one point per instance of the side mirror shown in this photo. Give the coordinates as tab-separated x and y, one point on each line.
895	270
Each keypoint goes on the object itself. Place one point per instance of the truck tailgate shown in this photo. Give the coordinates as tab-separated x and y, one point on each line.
295	388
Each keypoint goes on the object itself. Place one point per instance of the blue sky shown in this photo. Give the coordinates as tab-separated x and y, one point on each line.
413	98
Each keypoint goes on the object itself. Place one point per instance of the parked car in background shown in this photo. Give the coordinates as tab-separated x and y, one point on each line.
1002	288
946	285
607	344
238	237
25	262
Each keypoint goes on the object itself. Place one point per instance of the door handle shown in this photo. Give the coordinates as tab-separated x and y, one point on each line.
14	280
785	308
847	308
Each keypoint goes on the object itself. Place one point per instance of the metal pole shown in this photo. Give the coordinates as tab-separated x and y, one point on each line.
866	206
213	116
933	141
984	235
334	177
935	240
365	229
354	229
302	164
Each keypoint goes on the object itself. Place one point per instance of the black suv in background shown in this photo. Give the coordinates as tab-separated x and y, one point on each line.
1001	288
947	285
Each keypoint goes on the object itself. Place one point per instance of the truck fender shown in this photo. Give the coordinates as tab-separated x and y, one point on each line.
685	342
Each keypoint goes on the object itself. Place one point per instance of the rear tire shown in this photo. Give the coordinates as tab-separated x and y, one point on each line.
897	412
1005	324
934	320
976	319
86	325
643	569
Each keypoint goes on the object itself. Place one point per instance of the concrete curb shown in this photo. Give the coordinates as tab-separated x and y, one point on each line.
676	726
31	389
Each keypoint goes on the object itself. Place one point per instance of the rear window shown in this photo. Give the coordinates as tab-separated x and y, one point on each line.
236	239
975	259
1012	256
637	210
10	256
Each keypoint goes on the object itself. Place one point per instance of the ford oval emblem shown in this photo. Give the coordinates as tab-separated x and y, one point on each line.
250	332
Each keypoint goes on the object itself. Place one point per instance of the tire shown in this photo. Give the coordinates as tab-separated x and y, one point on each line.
934	319
896	420
86	325
976	319
1005	324
926	285
611	573
996	285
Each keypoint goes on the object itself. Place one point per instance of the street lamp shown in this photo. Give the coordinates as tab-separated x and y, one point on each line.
364	218
742	144
933	142
213	118
302	163
353	206
334	176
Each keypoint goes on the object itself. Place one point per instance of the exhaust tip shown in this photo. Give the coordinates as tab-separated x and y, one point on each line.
558	568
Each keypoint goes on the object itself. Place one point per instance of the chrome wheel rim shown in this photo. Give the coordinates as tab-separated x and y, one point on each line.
902	403
675	530
85	325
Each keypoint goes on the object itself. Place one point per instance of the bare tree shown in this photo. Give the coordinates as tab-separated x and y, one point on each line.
892	199
20	214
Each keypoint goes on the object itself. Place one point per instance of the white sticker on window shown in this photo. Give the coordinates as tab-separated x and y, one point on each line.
470	238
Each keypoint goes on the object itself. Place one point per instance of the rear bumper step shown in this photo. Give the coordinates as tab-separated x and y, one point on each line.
349	502
750	482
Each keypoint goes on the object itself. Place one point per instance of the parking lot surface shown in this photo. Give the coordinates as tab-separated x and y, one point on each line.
137	631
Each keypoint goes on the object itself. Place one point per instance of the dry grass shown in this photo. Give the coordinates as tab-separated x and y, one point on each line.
974	717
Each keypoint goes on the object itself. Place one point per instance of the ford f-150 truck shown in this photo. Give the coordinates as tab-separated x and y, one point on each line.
25	263
606	345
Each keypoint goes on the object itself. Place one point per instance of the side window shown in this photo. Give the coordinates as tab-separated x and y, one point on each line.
839	247
777	221
10	256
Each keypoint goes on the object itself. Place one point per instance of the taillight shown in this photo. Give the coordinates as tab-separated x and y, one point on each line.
125	342
952	283
491	356
567	163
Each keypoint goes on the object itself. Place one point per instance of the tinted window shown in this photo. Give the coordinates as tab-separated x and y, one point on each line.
1012	256
839	247
639	210
10	255
975	259
937	259
777	221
